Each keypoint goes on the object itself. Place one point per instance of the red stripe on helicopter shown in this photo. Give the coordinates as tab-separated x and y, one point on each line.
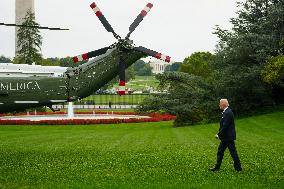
150	5
145	11
121	83
168	59
82	57
93	5
75	59
85	56
163	57
158	55
121	93
96	9
121	90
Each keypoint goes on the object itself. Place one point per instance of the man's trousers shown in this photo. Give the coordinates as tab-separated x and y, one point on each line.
232	148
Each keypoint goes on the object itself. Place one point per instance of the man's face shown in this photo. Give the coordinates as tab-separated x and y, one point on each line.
222	105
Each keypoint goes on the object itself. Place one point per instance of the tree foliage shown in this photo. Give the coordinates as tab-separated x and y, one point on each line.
142	69
198	64
256	33
243	53
174	67
29	41
4	59
273	72
251	50
187	97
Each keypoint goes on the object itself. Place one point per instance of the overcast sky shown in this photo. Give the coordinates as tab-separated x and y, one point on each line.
177	28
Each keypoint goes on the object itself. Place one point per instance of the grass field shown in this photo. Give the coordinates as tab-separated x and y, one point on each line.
115	99
150	155
141	83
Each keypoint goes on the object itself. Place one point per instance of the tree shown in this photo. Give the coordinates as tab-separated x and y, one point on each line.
256	33
142	69
29	41
50	62
173	68
189	97
243	53
235	71
198	64
138	65
129	73
273	72
4	59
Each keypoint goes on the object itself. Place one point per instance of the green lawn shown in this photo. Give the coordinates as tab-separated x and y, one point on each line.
141	83
115	99
146	155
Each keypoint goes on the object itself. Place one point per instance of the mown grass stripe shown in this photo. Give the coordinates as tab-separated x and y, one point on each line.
141	155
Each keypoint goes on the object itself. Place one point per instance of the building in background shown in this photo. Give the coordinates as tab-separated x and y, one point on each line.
158	66
21	8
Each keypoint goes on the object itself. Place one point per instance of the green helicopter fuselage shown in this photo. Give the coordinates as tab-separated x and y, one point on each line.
21	93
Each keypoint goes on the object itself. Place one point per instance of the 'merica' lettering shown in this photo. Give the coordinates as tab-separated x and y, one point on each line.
9	86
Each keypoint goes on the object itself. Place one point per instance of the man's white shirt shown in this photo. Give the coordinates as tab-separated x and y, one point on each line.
226	108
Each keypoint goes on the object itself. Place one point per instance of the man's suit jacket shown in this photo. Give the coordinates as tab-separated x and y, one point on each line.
227	130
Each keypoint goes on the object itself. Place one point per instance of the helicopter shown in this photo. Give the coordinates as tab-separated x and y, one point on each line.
29	86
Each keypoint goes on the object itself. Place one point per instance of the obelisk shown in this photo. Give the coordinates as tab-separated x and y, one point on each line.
22	7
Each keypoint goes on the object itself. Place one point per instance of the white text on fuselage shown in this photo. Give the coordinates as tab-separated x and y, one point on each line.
17	86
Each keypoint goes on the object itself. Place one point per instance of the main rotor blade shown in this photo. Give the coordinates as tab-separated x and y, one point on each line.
139	19
153	53
103	20
89	55
39	27
121	90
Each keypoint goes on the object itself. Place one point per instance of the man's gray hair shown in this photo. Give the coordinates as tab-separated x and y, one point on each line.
225	101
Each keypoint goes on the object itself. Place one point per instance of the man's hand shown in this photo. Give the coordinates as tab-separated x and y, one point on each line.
216	136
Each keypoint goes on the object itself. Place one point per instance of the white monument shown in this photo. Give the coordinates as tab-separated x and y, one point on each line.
158	66
22	7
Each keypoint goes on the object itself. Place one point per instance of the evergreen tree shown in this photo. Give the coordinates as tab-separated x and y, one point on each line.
4	59
245	57
249	48
29	41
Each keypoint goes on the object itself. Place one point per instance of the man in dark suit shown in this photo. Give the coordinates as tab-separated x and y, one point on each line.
227	135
